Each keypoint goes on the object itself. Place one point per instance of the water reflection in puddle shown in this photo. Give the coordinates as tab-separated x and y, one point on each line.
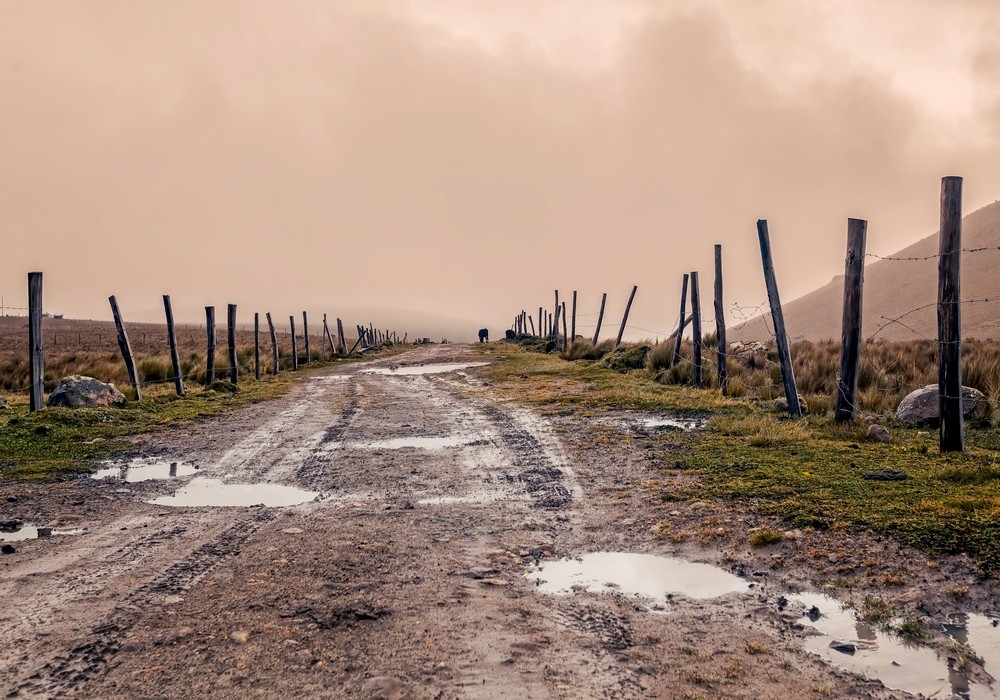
643	575
31	532
144	469
685	424
422	443
202	492
424	369
851	644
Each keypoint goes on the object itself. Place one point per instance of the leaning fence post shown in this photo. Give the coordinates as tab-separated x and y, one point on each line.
628	306
721	349
680	331
233	362
555	324
210	331
778	318
949	314
126	348
274	344
850	337
295	351
256	345
35	351
696	340
565	335
600	318
340	337
175	359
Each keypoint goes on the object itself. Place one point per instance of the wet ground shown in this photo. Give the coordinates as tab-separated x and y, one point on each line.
397	530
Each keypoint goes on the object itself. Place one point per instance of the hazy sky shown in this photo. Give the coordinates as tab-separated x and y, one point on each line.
463	158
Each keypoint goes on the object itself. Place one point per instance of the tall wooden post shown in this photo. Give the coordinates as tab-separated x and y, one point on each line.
696	330
276	366
295	350
565	333
950	317
541	322
573	328
850	337
210	355
175	359
680	330
600	318
778	318
305	335
628	306
126	347
555	325
340	337
531	321
233	362
722	349
256	345
36	362
329	336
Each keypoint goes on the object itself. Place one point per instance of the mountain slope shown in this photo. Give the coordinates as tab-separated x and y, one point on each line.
894	287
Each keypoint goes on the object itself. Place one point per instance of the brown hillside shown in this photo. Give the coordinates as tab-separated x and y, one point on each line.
892	288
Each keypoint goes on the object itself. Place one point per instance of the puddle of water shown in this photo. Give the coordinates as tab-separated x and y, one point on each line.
685	424
422	443
982	635
202	492
876	654
143	469
643	575
425	369
31	532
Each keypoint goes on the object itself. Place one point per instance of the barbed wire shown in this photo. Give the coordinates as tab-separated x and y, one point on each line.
917	258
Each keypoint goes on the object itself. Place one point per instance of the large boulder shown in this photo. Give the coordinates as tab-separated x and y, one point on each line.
85	392
922	406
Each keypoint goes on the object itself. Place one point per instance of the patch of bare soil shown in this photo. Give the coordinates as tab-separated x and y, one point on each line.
406	576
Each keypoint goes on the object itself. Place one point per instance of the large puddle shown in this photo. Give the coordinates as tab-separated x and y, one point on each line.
686	425
643	575
856	646
424	369
26	531
202	492
420	443
146	469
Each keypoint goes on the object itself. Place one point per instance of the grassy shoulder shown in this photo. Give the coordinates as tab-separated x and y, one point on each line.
809	473
53	443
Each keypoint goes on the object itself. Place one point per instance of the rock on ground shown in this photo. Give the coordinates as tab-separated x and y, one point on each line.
921	406
85	392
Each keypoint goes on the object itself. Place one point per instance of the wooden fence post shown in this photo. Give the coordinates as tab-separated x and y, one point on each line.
573	328
722	349
628	306
541	322
175	359
778	318
36	363
295	350
555	326
696	330
126	347
274	344
532	322
329	337
305	335
949	314
680	331
210	358
850	337
233	361
565	334
600	318
340	337
256	345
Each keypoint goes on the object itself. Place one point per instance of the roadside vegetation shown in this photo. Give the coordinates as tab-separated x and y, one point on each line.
807	473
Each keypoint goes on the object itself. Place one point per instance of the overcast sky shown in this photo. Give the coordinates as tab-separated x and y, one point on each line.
463	158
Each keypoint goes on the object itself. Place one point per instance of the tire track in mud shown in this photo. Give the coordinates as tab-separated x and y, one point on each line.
64	672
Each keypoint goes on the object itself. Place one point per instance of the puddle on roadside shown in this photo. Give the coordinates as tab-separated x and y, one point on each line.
146	469
685	424
33	532
421	443
643	575
851	644
424	369
203	492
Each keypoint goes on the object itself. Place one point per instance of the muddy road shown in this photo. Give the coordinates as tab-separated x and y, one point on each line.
395	530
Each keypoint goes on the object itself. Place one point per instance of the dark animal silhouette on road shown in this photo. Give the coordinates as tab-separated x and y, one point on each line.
484	335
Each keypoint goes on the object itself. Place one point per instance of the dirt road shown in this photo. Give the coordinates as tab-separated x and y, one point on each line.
411	509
